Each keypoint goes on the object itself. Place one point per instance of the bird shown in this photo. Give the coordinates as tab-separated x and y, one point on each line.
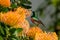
35	20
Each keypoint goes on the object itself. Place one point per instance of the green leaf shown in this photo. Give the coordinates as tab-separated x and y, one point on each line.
5	9
12	36
2	24
12	30
28	2
1	30
1	38
13	39
31	38
25	6
17	31
13	5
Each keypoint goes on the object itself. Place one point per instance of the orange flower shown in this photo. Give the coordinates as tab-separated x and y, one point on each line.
15	20
46	36
11	18
54	35
24	24
33	30
24	11
5	3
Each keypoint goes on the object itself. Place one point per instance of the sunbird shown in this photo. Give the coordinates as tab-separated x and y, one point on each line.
36	20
